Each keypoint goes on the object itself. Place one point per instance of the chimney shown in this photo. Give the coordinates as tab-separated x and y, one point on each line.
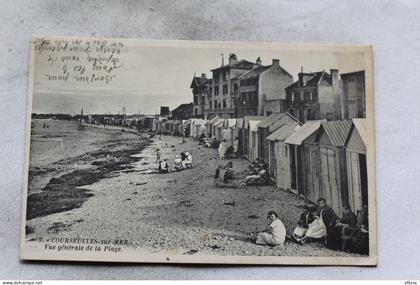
258	61
203	75
334	77
232	59
300	76
276	63
336	90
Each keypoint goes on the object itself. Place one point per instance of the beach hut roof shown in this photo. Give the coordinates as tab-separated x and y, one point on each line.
253	125
212	121
199	122
361	126
282	133
230	123
337	131
240	123
249	118
204	122
304	132
270	119
219	123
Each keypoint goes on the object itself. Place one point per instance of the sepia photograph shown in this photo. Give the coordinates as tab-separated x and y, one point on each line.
199	152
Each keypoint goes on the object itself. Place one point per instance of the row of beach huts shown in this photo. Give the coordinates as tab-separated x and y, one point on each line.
316	159
157	124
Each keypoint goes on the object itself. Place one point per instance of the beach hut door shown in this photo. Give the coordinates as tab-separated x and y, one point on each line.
329	178
313	175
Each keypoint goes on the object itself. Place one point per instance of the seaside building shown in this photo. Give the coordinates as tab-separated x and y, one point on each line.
223	88
164	111
315	96
262	90
199	90
183	112
354	97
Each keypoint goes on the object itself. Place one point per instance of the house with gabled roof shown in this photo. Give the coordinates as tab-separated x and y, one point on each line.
223	89
315	96
262	90
183	112
199	90
354	96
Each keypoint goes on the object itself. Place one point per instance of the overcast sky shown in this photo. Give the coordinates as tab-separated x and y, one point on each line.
158	74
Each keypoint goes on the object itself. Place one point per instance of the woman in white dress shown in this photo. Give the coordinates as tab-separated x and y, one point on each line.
275	234
222	149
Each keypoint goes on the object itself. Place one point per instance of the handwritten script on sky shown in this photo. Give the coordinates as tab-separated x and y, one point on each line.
77	60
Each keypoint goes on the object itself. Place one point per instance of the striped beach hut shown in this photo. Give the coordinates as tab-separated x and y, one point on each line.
356	154
297	156
268	126
246	133
279	155
331	138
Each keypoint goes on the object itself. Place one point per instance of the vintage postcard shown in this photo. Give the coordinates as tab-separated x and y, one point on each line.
199	152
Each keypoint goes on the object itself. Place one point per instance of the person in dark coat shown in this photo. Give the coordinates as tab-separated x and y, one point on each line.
347	225
360	239
329	218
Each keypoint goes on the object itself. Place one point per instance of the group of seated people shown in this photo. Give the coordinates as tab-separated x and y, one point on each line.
257	173
181	162
320	223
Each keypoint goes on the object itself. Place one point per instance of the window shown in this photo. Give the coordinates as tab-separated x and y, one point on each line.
224	103
285	151
211	90
219	105
224	75
216	77
242	82
216	90
215	104
243	98
225	89
235	87
211	104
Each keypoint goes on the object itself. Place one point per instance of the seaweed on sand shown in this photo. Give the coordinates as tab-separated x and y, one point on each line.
64	193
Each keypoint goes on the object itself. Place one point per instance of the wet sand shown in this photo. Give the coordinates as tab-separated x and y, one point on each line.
180	212
57	186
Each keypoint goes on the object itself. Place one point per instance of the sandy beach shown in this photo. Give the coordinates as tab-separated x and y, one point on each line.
182	212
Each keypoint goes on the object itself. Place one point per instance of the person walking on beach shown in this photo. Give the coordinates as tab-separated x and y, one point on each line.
236	146
157	155
222	149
